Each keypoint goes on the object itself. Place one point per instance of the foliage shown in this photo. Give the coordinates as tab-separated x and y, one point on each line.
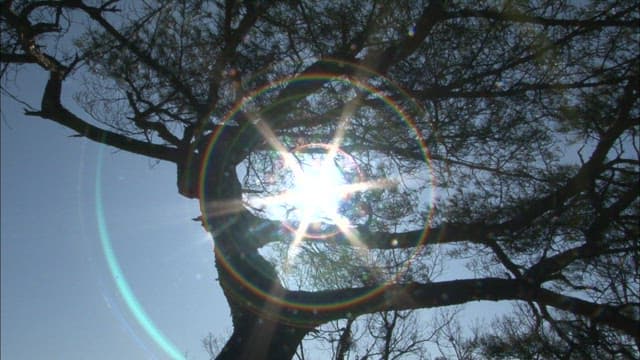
506	131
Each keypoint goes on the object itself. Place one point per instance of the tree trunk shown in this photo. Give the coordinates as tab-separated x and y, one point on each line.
256	338
260	331
260	328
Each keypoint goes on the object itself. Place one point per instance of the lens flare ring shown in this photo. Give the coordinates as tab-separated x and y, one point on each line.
119	278
246	106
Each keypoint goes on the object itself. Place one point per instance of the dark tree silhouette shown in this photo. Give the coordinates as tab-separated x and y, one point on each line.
505	131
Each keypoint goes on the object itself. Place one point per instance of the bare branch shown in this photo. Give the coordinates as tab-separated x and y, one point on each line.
518	17
53	110
417	296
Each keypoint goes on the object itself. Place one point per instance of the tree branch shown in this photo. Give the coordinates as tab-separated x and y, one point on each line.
588	171
139	118
17	58
53	110
431	15
378	62
313	305
26	35
440	92
96	14
518	17
548	267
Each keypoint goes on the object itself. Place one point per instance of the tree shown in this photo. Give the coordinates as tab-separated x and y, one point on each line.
522	117
382	335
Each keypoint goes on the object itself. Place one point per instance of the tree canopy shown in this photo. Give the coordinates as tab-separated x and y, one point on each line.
502	135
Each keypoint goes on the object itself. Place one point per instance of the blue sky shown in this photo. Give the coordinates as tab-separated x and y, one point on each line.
58	296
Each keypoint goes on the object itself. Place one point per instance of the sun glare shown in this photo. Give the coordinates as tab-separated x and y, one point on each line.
317	191
318	179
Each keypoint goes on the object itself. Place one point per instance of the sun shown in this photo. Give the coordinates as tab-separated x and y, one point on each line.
318	182
317	190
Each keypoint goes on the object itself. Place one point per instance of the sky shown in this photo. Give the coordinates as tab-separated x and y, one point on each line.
64	201
99	252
